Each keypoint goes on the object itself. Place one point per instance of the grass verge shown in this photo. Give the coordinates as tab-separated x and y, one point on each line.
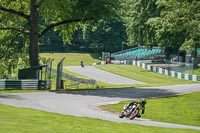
129	71
71	59
18	120
139	74
19	91
182	109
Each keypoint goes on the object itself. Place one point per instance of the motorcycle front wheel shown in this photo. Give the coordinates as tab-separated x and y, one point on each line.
133	115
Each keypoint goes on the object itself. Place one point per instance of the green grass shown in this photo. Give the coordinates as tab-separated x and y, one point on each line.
197	71
71	59
148	77
179	109
19	120
129	71
19	91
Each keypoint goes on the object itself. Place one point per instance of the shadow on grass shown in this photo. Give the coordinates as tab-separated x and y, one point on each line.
95	56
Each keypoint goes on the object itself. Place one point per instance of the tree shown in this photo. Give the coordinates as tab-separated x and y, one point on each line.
22	17
7	58
178	25
107	36
171	24
135	14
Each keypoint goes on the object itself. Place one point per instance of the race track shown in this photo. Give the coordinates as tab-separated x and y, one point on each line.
100	75
86	103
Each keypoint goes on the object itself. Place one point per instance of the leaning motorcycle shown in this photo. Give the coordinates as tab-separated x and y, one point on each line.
127	111
130	112
135	111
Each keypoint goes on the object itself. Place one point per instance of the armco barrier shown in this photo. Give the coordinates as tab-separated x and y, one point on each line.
166	72
29	84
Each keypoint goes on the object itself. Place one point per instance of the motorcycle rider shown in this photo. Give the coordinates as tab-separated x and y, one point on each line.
142	103
81	63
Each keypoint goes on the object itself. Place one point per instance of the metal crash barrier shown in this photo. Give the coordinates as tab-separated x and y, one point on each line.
25	84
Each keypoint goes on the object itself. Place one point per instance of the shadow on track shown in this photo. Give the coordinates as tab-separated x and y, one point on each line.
124	93
12	96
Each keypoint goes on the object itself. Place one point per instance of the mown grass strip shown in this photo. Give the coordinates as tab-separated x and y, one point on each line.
139	74
178	109
71	59
129	71
19	120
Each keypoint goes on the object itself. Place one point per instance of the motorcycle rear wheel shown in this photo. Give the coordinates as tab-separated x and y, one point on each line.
121	115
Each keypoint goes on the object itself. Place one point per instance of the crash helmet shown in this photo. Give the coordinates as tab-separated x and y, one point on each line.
144	101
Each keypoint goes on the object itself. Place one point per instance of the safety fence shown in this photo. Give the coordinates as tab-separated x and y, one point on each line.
25	84
81	80
164	71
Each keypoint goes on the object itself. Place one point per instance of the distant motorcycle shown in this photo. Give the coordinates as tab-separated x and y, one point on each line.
130	112
82	65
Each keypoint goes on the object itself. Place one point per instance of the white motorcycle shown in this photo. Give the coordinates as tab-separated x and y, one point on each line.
127	111
130	112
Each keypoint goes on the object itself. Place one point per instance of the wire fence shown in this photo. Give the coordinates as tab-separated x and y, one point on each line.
73	78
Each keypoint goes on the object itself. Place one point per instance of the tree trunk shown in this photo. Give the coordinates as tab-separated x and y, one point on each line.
34	34
167	53
194	56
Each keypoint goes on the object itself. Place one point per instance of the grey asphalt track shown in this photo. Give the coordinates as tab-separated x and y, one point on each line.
100	75
86	103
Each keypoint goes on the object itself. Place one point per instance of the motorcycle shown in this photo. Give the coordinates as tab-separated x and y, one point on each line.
127	111
130	112
82	65
135	113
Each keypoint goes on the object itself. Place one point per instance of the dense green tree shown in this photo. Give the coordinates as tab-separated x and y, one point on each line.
171	24
103	35
178	24
107	36
7	56
23	18
135	14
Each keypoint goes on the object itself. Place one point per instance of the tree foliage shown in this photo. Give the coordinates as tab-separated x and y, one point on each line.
107	36
135	14
7	56
23	18
178	24
165	23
